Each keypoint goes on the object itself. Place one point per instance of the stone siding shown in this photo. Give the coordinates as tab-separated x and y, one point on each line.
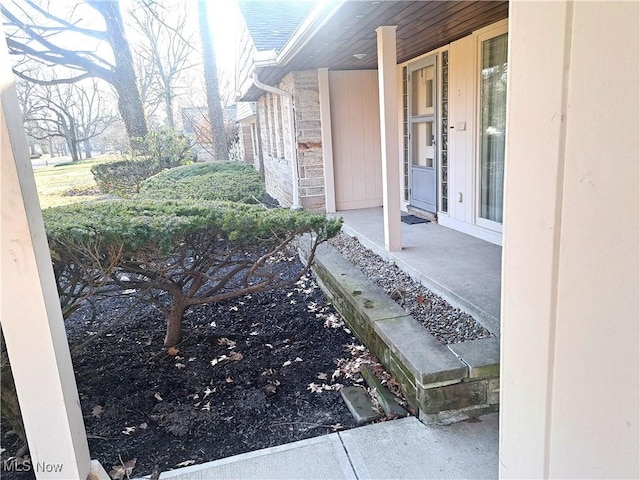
309	140
277	150
246	144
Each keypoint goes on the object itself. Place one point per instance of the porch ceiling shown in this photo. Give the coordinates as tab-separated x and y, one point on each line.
422	26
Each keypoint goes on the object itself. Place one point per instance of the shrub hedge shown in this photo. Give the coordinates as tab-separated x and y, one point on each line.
212	181
154	153
197	253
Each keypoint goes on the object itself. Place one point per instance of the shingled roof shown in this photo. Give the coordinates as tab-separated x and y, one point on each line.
271	22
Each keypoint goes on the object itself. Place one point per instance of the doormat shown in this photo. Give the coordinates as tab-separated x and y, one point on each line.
412	219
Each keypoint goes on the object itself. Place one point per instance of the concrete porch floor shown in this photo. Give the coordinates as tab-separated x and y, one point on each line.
462	269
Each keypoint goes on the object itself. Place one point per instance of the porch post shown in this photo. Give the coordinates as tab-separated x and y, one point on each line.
327	140
30	311
387	81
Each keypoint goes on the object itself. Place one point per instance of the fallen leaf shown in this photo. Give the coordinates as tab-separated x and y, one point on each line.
420	298
233	309
322	376
268	345
157	397
208	392
226	342
253	334
97	411
173	351
192	359
287	363
336	426
143	426
267	372
186	463
206	406
180	366
297	359
333	321
314	388
236	356
228	380
118	472
269	390
129	430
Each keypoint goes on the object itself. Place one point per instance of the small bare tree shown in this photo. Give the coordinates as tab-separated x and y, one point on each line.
74	112
166	52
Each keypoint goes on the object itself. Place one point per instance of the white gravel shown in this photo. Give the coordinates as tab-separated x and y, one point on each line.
447	324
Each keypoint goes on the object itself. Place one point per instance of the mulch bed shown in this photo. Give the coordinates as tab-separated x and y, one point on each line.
251	373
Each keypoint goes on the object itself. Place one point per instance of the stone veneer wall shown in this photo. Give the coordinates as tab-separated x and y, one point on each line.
277	170
276	141
309	138
246	144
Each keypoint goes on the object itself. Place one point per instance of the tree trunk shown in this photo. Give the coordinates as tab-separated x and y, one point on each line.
87	149
124	78
174	324
214	106
72	142
169	106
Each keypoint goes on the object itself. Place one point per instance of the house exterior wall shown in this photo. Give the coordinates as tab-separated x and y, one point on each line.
277	150
246	53
570	307
355	130
309	139
246	143
277	170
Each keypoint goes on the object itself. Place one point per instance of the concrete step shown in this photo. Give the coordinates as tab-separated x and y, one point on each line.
386	399
359	404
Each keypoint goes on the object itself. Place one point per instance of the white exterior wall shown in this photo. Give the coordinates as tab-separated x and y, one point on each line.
464	106
570	306
355	130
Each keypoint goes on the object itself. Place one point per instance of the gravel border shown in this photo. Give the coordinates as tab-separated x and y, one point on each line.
446	323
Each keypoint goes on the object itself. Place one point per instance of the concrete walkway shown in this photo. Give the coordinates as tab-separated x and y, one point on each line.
399	449
462	269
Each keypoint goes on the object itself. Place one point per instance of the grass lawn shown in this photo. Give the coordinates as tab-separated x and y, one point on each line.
55	182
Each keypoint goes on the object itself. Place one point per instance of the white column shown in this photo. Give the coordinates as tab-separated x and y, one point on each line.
327	140
571	289
30	312
387	81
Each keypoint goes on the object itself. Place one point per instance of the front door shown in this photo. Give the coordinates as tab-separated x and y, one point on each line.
422	134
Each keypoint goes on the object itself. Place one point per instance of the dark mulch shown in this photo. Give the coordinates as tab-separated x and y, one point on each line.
141	402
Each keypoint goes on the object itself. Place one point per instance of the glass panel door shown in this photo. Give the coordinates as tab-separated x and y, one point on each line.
422	134
493	104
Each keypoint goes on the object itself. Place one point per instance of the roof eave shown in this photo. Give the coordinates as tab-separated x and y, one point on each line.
315	20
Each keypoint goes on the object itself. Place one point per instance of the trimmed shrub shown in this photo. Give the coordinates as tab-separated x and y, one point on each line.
212	181
156	152
178	253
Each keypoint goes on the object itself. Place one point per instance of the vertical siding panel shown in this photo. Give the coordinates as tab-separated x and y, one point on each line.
357	136
356	139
